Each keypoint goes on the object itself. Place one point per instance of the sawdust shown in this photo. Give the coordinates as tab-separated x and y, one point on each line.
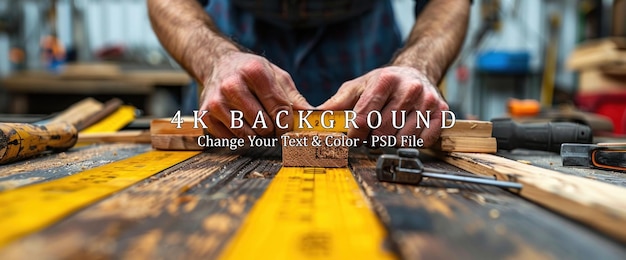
149	199
452	190
494	213
73	156
5	185
258	175
217	223
144	246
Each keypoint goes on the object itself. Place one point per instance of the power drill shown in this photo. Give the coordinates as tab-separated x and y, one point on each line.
538	136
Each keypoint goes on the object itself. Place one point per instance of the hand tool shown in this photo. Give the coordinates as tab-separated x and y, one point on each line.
538	136
19	141
609	156
405	167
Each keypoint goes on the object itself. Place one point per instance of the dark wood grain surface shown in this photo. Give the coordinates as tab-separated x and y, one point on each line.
193	209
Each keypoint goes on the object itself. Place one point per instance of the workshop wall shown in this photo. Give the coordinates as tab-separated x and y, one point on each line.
524	27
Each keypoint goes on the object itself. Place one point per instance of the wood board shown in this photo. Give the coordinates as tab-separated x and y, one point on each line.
596	204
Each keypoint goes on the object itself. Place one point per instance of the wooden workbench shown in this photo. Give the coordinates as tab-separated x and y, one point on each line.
33	91
162	218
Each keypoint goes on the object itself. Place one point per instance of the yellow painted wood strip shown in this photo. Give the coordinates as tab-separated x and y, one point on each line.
114	122
310	213
31	208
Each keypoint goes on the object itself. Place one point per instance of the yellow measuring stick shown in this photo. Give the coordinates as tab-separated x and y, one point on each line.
310	213
31	208
114	122
322	121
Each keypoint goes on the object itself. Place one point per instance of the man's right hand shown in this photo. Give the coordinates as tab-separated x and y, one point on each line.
248	83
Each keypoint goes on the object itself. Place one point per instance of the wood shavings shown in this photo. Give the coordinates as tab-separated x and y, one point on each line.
525	162
494	213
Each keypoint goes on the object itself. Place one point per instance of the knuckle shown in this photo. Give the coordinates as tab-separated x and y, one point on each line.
231	86
253	67
214	105
265	131
388	78
429	99
443	106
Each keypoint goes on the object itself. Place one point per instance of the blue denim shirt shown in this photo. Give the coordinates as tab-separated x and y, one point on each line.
318	59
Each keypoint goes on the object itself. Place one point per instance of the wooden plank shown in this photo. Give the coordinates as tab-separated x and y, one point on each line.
299	150
189	211
467	144
446	220
596	204
86	231
603	53
468	128
128	136
59	165
166	136
79	112
91	71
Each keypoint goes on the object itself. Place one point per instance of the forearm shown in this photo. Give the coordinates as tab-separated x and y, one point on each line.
436	38
188	34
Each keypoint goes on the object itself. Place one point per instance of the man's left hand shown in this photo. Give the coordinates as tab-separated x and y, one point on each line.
388	89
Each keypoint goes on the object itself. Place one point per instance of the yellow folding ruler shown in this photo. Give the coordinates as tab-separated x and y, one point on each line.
310	213
31	208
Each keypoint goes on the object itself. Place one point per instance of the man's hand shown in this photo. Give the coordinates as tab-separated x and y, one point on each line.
387	89
248	83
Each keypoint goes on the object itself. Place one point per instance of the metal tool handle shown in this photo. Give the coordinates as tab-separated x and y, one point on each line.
443	176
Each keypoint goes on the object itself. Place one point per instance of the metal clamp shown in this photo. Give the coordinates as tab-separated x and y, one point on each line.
406	167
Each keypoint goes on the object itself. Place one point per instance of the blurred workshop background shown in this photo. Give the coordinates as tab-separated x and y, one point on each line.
531	58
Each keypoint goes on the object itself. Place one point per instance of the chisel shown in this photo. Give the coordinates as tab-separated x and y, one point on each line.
19	141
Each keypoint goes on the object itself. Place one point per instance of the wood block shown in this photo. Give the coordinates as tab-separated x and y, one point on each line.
592	81
165	136
79	112
469	128
596	204
467	144
314	156
130	136
598	54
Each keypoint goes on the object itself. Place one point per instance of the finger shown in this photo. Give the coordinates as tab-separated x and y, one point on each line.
237	95
374	98
402	103
386	125
345	98
431	134
409	130
217	129
298	102
263	85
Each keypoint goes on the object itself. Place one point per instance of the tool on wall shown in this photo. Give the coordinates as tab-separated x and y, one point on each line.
406	167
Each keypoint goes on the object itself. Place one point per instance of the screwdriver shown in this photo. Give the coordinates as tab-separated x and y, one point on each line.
19	141
538	136
405	167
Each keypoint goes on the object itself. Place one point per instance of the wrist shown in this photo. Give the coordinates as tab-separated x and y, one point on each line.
203	56
431	71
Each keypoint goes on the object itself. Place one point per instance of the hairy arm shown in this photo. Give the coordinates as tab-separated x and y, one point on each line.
188	34
408	83
232	79
436	38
